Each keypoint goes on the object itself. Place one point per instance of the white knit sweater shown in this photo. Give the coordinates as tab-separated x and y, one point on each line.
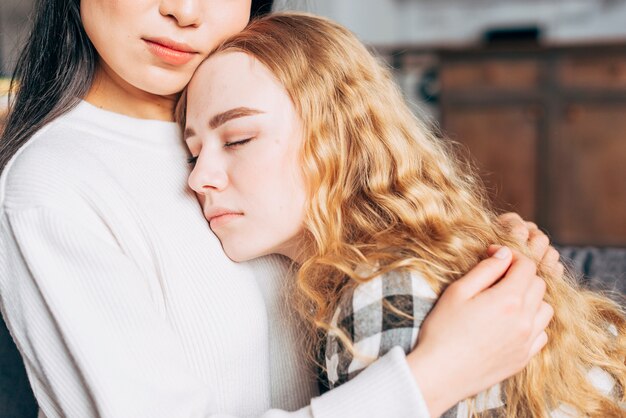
123	304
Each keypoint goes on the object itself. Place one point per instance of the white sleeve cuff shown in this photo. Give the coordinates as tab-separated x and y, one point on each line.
384	389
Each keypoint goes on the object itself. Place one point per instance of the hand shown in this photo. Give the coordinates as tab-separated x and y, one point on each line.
478	333
528	233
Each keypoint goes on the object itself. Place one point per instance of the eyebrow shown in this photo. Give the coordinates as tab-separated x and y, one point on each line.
221	118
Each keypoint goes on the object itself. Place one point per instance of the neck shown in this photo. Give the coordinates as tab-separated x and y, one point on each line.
110	92
295	249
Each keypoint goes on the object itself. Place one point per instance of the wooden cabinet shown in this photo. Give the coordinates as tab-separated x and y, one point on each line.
588	174
502	153
494	75
593	71
547	129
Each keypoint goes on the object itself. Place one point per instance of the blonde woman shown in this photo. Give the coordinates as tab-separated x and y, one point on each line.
310	152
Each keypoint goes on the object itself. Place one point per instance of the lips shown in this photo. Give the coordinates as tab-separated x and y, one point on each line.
219	216
169	51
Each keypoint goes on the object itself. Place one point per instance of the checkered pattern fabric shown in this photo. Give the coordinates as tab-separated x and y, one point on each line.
367	317
388	311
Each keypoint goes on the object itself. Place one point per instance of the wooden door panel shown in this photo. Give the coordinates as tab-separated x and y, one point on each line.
588	171
493	74
502	142
593	72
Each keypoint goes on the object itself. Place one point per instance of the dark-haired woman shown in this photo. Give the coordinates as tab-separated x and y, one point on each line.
116	293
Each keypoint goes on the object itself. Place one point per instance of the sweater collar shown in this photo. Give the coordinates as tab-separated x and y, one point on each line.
118	125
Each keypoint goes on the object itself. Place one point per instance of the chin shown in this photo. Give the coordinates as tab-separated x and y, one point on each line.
170	81
239	256
237	259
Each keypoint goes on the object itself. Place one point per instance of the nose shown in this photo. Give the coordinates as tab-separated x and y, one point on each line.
207	176
187	13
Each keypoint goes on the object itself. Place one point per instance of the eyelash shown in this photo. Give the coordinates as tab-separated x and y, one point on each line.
234	144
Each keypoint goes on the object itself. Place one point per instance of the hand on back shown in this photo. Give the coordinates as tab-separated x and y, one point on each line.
484	328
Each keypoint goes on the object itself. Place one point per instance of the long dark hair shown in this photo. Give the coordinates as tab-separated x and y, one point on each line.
260	8
54	71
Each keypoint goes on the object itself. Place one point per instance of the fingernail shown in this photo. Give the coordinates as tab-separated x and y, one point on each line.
503	253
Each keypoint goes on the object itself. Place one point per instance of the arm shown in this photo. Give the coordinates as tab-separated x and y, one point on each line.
95	345
491	330
484	315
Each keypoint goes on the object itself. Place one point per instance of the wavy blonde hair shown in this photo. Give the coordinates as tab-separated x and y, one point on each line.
385	191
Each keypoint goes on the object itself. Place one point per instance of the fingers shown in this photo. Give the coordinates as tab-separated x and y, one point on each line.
541	322
531	225
558	270
534	296
518	278
552	256
522	292
551	262
538	243
538	344
493	249
484	275
515	225
526	233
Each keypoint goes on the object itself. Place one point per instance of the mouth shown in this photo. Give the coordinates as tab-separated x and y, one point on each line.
221	217
171	52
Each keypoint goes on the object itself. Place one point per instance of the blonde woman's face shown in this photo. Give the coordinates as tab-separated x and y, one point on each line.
156	45
247	137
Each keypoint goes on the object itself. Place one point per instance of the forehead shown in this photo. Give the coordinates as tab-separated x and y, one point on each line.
232	79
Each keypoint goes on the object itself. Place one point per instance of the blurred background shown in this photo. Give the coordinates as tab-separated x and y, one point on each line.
535	90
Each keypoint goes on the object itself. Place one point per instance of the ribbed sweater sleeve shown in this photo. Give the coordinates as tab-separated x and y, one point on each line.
83	318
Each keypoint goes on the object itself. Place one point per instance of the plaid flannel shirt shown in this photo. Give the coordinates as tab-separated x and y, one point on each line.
388	311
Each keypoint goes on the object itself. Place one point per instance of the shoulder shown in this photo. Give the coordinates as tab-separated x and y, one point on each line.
391	287
386	304
374	317
48	167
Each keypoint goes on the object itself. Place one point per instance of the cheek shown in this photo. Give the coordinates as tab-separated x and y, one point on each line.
107	21
267	187
297	199
114	46
268	179
287	197
240	15
222	20
89	12
238	20
201	199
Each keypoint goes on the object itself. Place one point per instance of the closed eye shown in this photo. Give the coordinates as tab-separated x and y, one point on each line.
192	160
237	143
